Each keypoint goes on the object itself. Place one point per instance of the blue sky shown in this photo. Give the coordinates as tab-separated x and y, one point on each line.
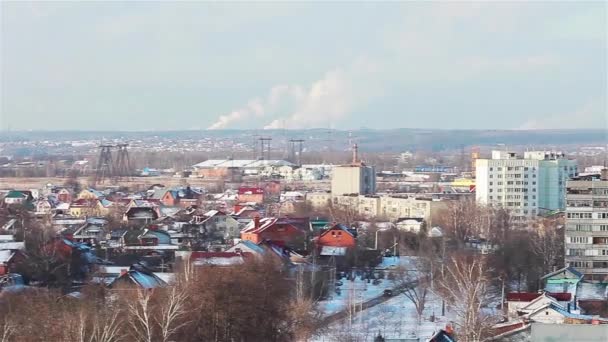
195	65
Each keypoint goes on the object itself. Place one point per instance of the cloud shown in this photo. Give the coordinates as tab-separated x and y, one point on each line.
328	100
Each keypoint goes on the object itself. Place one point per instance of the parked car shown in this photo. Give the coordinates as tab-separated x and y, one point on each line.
376	281
388	293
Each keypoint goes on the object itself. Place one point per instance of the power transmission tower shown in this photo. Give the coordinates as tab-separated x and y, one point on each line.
105	167
123	165
295	151
265	148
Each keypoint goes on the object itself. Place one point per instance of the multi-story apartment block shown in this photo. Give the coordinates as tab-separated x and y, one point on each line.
382	207
586	235
526	186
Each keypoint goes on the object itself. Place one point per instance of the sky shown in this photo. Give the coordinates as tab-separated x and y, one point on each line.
195	65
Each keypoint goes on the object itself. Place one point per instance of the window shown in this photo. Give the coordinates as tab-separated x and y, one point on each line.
491	169
578	239
491	183
576	252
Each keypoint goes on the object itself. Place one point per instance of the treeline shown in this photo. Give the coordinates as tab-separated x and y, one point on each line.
252	302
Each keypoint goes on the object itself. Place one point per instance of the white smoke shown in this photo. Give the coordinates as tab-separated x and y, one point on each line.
330	99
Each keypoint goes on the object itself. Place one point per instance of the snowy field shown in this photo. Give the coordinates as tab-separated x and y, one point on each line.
353	292
394	319
362	290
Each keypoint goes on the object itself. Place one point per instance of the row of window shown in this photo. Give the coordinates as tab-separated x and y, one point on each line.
588	203
586	252
511	176
579	215
588	227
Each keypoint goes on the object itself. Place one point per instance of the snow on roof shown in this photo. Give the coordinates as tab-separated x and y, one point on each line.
212	163
12	246
6	238
5	256
147	281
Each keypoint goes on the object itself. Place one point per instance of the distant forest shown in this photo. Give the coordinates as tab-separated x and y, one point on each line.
393	140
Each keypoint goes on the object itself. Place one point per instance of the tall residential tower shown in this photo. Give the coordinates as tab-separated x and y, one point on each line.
587	225
527	186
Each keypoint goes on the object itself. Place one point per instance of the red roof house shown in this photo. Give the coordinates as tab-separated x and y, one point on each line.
337	236
277	230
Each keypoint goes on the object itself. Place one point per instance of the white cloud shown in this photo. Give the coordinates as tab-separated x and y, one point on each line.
328	100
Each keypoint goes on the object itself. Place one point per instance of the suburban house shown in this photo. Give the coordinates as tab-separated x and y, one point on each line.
338	236
64	195
17	197
90	194
251	195
87	207
280	231
182	197
138	275
215	222
522	303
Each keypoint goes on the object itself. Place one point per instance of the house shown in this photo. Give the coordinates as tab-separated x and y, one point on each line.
143	214
14	197
279	231
521	303
183	197
216	222
410	224
338	236
90	194
64	195
562	280
139	276
43	206
86	207
251	194
146	240
92	232
246	246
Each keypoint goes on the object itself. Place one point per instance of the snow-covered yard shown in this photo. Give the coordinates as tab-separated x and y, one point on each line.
353	292
395	318
361	290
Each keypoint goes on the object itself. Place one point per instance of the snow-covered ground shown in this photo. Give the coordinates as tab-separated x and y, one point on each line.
353	292
395	318
360	290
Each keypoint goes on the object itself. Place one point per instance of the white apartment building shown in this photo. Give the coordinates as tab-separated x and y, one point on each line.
385	207
586	234
526	186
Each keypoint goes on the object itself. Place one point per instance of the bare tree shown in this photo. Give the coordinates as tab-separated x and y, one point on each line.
547	243
466	289
172	312
7	329
415	284
140	315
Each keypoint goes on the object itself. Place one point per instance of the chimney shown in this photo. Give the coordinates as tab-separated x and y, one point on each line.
123	271
256	222
355	152
604	174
